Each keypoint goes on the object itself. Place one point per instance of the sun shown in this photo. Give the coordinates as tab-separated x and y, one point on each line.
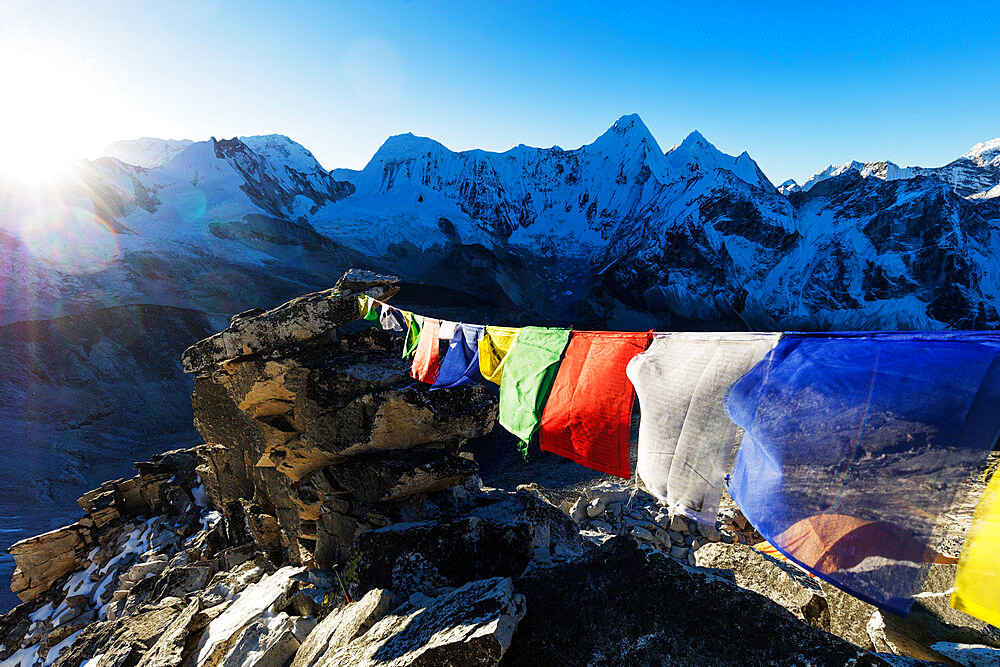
54	107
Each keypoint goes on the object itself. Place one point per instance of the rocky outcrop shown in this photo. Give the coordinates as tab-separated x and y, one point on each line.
569	619
301	320
332	518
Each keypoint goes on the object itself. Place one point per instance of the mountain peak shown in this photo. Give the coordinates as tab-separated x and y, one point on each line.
284	150
627	131
984	151
696	153
402	146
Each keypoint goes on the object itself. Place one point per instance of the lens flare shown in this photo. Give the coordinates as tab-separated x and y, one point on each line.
70	239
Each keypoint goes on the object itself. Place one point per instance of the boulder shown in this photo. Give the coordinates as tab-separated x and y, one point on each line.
423	556
268	641
343	625
471	625
661	609
400	475
43	559
270	593
169	649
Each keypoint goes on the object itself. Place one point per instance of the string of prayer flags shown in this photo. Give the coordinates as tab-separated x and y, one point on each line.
493	348
686	439
461	361
589	412
425	358
529	370
855	444
977	583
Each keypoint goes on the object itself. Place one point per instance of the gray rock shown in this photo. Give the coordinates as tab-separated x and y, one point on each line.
225	630
642	534
579	511
969	655
268	642
472	625
678	552
678	524
663	613
301	320
931	620
343	625
595	508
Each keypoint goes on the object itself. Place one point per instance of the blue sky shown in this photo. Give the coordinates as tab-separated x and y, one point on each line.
797	86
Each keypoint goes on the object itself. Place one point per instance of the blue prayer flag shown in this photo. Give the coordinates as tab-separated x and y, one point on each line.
855	445
461	361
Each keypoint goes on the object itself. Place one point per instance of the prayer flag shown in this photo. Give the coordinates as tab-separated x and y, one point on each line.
493	347
529	371
425	360
588	415
854	444
686	439
977	583
461	361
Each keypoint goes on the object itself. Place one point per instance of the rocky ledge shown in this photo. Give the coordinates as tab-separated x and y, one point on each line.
333	518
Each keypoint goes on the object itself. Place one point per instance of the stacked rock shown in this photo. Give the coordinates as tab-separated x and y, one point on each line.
323	436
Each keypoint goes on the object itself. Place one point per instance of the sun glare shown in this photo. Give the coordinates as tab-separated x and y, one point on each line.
55	107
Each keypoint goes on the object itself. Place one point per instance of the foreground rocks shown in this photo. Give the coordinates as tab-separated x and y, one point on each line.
332	518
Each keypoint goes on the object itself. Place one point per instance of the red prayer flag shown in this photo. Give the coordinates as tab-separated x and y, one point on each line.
425	359
589	412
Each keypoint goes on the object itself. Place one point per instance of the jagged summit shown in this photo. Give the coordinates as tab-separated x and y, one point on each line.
698	154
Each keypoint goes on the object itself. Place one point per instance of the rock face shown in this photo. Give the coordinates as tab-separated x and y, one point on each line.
569	619
332	518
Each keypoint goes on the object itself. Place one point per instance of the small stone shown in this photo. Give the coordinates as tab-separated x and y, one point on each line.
710	533
662	520
678	524
613	509
691	560
604	526
595	508
675	537
579	511
642	533
678	552
698	543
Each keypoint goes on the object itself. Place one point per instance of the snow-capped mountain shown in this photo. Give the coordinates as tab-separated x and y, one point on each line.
689	233
972	174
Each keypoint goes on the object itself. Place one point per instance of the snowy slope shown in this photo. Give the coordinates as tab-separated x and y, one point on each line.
146	152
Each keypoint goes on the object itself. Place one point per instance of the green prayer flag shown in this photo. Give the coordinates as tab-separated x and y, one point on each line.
529	370
367	309
414	323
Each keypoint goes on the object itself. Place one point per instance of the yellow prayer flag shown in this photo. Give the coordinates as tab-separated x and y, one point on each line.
977	583
493	348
